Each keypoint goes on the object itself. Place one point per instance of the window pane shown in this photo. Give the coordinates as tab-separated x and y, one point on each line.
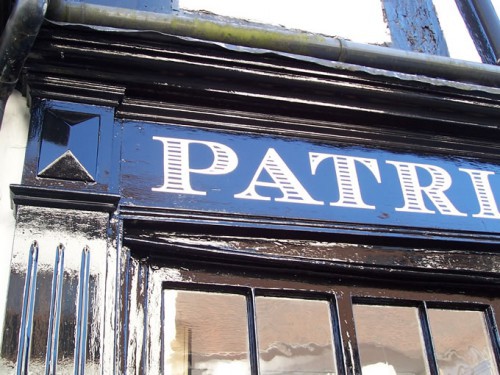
461	342
294	336
390	340
205	333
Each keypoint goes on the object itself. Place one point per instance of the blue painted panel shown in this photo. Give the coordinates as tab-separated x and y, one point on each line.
380	180
415	27
75	132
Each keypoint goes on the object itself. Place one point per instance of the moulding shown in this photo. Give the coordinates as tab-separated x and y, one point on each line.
76	90
377	264
155	70
55	198
365	233
244	122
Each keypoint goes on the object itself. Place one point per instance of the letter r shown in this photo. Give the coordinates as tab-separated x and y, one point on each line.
413	192
176	168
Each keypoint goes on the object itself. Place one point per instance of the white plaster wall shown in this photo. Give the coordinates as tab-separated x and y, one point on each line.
458	39
358	20
13	138
496	5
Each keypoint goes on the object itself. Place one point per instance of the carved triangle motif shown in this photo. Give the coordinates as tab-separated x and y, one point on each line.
67	167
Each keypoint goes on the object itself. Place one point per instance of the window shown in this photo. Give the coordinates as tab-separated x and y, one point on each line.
411	340
390	337
461	341
205	333
222	319
208	332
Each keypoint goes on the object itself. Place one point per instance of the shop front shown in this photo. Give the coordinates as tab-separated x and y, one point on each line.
189	207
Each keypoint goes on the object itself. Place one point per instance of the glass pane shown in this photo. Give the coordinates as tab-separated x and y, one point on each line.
390	340
461	342
294	336
205	333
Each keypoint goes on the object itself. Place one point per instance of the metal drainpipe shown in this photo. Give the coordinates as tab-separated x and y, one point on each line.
489	20
17	39
241	33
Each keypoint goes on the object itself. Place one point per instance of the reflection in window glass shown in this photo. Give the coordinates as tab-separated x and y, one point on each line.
390	340
461	342
205	333
294	336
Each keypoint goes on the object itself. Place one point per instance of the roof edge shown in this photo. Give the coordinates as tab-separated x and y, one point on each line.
217	29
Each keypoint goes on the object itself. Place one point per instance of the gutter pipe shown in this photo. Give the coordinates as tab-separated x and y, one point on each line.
216	29
28	15
16	42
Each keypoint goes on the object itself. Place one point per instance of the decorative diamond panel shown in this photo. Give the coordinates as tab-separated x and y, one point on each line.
69	147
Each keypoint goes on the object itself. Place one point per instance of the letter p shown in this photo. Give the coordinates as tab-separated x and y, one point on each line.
176	168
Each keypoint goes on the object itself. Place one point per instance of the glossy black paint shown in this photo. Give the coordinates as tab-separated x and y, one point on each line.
144	170
58	198
195	74
146	78
482	24
334	255
202	274
71	147
70	135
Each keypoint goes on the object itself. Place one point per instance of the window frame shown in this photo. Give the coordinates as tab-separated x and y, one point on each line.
282	280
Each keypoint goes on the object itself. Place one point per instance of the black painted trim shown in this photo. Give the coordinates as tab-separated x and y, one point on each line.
346	271
151	215
199	75
48	197
369	131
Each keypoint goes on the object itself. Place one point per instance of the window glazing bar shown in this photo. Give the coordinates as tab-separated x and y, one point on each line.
252	333
337	335
429	345
492	327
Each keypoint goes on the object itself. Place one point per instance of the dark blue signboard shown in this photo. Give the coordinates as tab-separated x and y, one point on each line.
221	172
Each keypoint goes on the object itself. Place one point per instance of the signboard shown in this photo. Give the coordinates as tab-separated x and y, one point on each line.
222	172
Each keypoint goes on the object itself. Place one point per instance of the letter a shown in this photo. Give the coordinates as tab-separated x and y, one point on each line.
176	170
284	179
